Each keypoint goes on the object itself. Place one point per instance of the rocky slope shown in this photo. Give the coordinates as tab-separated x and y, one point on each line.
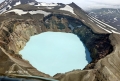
21	22
107	15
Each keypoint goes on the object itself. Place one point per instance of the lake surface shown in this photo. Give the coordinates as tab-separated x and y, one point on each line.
56	52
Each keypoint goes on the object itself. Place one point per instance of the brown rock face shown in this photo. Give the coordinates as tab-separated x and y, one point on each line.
14	35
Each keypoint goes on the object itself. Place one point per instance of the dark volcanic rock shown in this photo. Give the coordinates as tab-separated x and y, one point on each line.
99	45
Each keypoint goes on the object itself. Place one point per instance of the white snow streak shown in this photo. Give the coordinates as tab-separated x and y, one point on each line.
115	32
104	29
96	20
47	4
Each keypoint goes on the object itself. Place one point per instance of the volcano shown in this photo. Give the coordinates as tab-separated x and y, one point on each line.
21	19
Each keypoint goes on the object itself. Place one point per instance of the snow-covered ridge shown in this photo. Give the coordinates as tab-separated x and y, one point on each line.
21	12
68	8
109	16
103	25
98	21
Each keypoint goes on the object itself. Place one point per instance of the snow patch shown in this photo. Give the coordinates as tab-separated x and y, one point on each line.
40	12
68	8
49	7
17	11
9	6
47	4
115	19
17	3
32	3
21	12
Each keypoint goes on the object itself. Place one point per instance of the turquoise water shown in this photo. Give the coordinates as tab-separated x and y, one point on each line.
56	52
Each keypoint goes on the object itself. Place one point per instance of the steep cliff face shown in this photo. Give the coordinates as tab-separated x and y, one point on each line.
14	35
103	43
